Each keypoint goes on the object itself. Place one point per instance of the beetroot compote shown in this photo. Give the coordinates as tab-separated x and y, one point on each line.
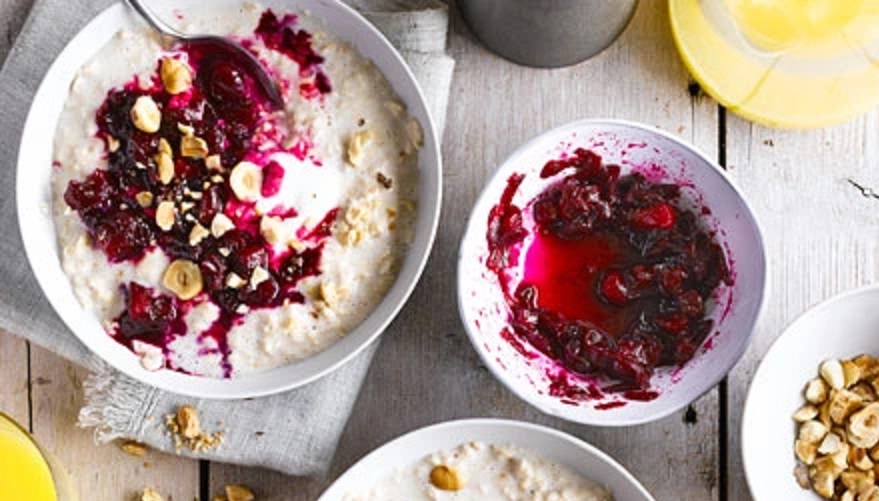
617	275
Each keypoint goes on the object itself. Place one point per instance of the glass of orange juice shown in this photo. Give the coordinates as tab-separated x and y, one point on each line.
26	471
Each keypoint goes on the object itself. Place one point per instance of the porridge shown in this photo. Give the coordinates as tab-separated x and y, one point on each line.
483	472
211	233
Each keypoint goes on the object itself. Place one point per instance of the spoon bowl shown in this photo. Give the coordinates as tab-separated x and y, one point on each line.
221	46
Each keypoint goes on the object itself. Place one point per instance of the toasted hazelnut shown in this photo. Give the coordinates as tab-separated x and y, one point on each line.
828	465
831	371
133	448
272	229
238	493
357	146
197	234
165	215
842	404
851	372
258	276
840	458
870	493
145	115
213	162
165	147
185	129
183	278
187	420
847	496
860	459
165	167
234	281
144	199
868	365
193	147
865	391
149	494
863	426
176	76
805	451
812	432
816	391
855	480
112	144
246	181
414	135
822	483
220	225
445	478
830	445
824	414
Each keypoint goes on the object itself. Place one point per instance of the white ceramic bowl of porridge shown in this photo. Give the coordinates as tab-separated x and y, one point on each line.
732	308
42	217
492	460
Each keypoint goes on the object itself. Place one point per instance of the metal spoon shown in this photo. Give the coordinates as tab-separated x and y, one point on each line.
172	37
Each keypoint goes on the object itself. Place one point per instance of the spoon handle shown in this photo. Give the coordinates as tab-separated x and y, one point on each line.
150	17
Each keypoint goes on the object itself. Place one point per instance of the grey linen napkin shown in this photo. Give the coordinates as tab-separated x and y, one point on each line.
298	430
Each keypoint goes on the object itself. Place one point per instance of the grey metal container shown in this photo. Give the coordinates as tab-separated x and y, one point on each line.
547	33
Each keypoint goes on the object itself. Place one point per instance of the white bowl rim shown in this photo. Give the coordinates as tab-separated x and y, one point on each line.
512	424
518	389
228	389
788	331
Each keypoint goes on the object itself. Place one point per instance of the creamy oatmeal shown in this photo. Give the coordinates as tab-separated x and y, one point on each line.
484	472
212	234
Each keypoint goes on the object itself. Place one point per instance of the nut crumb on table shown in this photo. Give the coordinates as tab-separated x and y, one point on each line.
185	428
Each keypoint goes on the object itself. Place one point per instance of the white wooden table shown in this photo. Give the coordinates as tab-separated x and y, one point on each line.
821	236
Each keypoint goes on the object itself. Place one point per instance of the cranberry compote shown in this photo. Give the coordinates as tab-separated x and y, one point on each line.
228	119
616	274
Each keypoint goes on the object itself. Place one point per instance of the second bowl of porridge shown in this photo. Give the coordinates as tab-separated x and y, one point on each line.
206	241
489	460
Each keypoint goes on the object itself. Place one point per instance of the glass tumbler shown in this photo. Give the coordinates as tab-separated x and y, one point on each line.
27	472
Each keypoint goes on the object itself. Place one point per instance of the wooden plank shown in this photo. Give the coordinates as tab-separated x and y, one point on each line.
820	232
426	371
99	472
14	377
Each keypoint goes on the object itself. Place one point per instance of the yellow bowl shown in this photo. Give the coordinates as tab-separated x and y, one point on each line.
783	63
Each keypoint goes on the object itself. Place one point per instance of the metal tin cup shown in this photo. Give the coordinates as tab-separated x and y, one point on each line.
547	33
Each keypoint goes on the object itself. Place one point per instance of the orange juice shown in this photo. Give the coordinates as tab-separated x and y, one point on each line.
24	473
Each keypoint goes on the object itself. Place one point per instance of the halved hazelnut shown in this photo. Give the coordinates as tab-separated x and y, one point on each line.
165	215
863	426
445	478
145	115
183	278
176	76
246	181
805	451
